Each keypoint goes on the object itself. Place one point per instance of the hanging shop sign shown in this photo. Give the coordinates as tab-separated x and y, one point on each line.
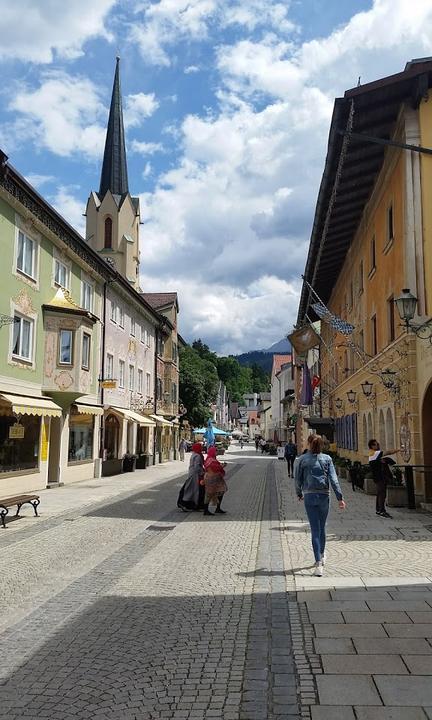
108	384
16	431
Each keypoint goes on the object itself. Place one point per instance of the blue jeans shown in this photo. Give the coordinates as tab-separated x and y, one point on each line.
317	509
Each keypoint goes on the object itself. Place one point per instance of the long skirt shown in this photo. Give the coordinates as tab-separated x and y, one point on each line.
215	486
189	493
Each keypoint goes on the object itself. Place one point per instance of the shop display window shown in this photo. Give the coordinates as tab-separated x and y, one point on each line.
81	428
19	453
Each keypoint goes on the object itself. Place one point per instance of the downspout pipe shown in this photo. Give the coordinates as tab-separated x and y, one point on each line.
101	389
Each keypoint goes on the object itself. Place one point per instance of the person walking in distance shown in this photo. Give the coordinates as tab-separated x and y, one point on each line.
257	442
314	472
290	456
182	449
379	473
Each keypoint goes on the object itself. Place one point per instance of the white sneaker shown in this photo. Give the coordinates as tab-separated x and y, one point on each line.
318	570
324	559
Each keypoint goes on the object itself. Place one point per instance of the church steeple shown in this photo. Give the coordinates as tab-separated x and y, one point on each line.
114	168
113	218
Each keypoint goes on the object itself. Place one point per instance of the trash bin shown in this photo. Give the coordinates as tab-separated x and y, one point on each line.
129	462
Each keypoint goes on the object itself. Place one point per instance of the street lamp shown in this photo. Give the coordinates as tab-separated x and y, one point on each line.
388	378
406	305
351	395
367	388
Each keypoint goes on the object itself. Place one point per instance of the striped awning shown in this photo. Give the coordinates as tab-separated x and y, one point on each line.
161	420
23	405
88	409
143	420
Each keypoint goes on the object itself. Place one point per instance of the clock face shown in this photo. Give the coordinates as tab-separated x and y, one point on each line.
405	439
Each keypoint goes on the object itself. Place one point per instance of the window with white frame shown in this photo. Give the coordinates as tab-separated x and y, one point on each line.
121	317
133	327
147	338
22	344
26	255
109	373
142	333
148	384
140	381
65	347
113	313
85	356
121	373
61	274
87	295
131	377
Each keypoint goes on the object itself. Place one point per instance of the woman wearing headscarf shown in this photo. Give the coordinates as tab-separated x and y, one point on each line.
214	479
189	495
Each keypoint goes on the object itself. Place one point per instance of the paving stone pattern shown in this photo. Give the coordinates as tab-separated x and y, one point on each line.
116	605
151	614
368	622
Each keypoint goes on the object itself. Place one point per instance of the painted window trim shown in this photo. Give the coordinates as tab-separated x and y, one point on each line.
16	356
83	366
31	280
63	363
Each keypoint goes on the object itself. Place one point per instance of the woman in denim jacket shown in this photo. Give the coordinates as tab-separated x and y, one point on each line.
314	472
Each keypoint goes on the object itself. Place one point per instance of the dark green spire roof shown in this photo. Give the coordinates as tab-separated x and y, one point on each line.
114	168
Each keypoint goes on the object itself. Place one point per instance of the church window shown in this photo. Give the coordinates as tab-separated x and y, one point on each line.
108	233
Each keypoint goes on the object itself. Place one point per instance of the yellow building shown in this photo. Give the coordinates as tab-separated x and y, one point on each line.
371	238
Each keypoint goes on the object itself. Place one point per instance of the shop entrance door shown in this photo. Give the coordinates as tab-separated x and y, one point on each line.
54	451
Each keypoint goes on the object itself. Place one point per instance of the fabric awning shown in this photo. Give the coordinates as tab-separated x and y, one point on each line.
144	420
161	420
88	409
22	405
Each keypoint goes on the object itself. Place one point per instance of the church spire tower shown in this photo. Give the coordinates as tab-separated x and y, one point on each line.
113	216
114	174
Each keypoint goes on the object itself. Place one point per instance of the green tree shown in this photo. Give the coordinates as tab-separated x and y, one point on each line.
198	385
238	379
260	379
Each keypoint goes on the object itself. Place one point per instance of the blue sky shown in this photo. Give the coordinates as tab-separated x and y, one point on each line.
227	106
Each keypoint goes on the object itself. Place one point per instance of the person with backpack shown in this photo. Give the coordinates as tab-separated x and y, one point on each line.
314	472
290	455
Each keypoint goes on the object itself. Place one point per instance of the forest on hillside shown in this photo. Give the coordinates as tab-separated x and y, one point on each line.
200	372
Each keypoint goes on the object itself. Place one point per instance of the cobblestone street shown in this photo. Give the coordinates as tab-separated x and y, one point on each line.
114	604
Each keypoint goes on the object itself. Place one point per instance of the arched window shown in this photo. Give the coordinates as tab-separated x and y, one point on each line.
382	430
390	435
108	233
365	434
370	428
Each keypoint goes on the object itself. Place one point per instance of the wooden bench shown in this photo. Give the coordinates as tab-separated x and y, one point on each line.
19	501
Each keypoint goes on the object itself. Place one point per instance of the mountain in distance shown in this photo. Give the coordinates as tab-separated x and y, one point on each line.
264	358
280	347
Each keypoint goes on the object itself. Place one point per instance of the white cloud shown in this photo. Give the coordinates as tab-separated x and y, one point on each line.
145	148
230	319
191	69
62	115
169	21
139	107
367	46
35	31
234	215
38	181
165	23
69	206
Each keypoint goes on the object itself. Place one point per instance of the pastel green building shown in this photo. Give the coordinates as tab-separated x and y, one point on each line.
50	309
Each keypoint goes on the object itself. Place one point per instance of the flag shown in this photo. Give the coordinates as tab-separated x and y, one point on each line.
316	380
336	322
306	395
304	339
